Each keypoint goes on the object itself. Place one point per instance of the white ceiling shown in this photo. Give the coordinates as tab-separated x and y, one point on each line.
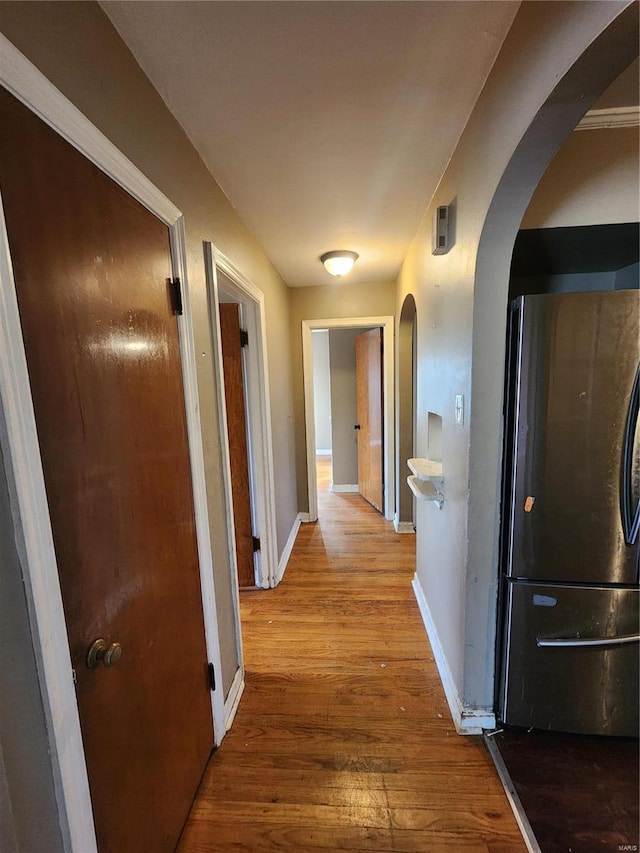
327	124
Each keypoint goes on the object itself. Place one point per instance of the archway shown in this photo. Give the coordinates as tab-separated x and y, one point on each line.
599	65
406	379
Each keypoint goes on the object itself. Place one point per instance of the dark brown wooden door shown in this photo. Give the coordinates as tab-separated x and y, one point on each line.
91	268
237	428
369	414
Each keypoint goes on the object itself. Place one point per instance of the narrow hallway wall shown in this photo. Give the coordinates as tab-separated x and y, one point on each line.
461	319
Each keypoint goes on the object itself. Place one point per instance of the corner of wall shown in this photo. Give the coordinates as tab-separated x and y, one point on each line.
467	720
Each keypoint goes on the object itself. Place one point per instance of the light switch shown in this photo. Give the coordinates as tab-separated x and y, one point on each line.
459	408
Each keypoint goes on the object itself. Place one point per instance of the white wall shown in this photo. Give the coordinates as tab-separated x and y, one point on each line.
592	180
321	389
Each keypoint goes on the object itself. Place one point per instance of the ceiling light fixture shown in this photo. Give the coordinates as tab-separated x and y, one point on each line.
340	262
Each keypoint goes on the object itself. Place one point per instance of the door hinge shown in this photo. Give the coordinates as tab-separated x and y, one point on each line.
256	543
175	290
212	676
244	338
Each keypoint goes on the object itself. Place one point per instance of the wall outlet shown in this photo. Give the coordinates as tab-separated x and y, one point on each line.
459	408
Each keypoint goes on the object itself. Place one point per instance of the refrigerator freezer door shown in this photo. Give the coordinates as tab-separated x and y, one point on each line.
587	682
576	360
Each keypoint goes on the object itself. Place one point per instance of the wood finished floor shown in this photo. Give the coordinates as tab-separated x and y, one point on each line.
343	738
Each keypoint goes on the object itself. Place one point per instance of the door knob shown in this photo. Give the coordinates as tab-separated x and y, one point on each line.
356	426
100	651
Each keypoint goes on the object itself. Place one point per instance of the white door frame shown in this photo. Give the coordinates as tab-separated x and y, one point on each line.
388	327
19	441
260	449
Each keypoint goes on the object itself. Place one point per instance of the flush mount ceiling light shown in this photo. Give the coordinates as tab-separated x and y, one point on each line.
340	262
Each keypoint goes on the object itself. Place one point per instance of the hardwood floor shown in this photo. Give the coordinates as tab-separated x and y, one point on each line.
343	739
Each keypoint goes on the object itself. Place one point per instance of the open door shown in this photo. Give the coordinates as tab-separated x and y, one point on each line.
234	394
369	404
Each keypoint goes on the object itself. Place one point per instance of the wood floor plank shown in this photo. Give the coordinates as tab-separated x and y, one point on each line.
301	837
343	739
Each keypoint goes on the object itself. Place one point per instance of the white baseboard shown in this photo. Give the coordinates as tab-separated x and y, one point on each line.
323	452
468	721
288	548
403	526
233	698
304	517
343	487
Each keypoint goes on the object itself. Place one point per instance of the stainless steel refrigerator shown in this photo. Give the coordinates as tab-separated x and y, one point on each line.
569	639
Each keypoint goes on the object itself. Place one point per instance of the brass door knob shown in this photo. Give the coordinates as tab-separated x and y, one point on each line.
100	651
112	654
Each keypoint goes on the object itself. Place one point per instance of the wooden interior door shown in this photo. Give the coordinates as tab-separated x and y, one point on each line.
237	429
369	413
91	269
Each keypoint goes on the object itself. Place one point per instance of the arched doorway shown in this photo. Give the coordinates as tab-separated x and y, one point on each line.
572	57
404	520
599	65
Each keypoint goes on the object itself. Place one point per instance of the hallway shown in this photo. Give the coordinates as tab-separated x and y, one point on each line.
343	739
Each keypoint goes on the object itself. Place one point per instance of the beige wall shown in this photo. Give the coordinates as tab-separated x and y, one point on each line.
76	47
342	354
326	303
592	180
461	304
623	92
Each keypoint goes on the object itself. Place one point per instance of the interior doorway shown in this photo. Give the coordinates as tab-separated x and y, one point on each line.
348	409
404	520
113	444
369	405
110	505
345	473
234	340
229	287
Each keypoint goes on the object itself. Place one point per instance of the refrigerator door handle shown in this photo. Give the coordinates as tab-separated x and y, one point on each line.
574	642
630	513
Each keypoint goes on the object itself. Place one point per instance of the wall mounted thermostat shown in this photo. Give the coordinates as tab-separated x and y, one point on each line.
440	241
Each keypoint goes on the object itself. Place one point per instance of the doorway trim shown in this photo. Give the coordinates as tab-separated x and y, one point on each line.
19	441
260	450
387	324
